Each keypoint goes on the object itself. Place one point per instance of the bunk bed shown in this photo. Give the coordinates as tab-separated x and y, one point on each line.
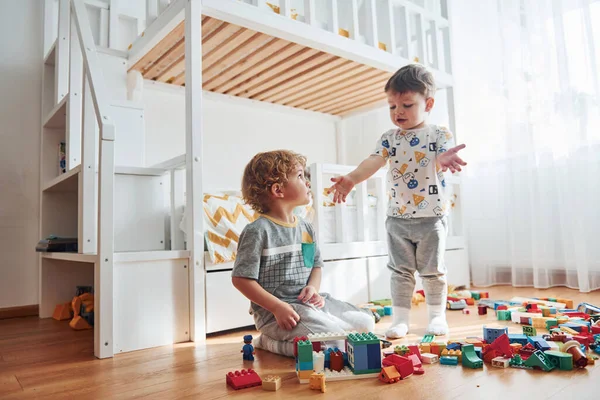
155	284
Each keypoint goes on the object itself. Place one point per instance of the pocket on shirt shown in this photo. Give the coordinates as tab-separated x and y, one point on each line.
308	253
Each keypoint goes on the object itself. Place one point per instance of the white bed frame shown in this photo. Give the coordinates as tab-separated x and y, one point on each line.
149	290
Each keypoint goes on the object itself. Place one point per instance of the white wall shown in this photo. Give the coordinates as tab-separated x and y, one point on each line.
20	94
361	132
233	132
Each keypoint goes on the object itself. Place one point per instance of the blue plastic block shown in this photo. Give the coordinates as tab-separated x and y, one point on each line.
539	343
387	310
478	352
517	338
454	346
345	357
373	356
305	365
576	327
361	360
449	360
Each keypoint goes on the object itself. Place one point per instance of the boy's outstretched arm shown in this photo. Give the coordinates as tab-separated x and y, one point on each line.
285	315
344	184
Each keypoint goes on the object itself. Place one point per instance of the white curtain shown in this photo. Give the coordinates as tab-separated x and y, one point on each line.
528	107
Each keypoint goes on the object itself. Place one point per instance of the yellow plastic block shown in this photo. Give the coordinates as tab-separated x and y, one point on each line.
317	382
305	374
425	348
344	32
382	46
569	330
271	382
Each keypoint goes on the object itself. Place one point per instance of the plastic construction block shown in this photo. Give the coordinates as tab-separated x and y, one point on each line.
363	338
358	358
539	360
491	334
388	310
481	309
428	339
305	351
327	336
429	358
475	295
550	323
500	362
517	338
517	362
389	375
296	340
560	360
401	350
243	379
501	345
62	312
503	315
469	358
417	364
79	323
414	349
539	343
448	360
383	302
403	365
318	361
271	383
336	360
455	353
529	330
374	356
317	382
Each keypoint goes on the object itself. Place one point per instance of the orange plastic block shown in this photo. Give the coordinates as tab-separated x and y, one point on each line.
317	382
62	312
79	324
389	375
76	305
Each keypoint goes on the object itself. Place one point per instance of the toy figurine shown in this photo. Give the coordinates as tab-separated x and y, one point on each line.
248	349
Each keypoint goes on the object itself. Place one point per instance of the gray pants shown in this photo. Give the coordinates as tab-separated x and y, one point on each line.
417	245
335	316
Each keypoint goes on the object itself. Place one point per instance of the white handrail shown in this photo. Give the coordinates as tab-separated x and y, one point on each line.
93	70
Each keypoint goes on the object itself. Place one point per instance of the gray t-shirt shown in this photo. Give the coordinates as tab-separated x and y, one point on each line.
279	257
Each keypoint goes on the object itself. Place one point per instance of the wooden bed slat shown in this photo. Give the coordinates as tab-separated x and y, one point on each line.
334	75
166	60
231	44
213	82
278	63
350	105
334	88
293	71
353	88
169	41
173	71
218	37
292	85
228	55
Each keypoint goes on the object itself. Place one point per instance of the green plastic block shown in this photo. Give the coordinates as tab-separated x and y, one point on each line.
363	338
529	331
469	357
560	360
476	295
503	315
305	351
428	339
550	323
383	303
540	360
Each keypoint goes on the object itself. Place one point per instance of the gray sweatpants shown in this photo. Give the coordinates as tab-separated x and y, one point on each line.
417	245
335	316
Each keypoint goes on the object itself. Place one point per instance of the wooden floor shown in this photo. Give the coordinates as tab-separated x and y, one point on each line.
45	359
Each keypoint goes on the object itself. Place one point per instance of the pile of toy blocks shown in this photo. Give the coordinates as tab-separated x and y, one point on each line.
80	310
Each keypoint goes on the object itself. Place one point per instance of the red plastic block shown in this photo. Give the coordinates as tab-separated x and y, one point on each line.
584	340
316	346
481	309
501	345
417	365
414	349
402	364
595	329
243	379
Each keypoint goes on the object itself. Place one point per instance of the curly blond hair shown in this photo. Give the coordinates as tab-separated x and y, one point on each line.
265	170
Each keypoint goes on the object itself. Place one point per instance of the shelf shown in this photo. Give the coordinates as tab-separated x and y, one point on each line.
57	118
66	182
141	171
87	258
135	256
50	57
